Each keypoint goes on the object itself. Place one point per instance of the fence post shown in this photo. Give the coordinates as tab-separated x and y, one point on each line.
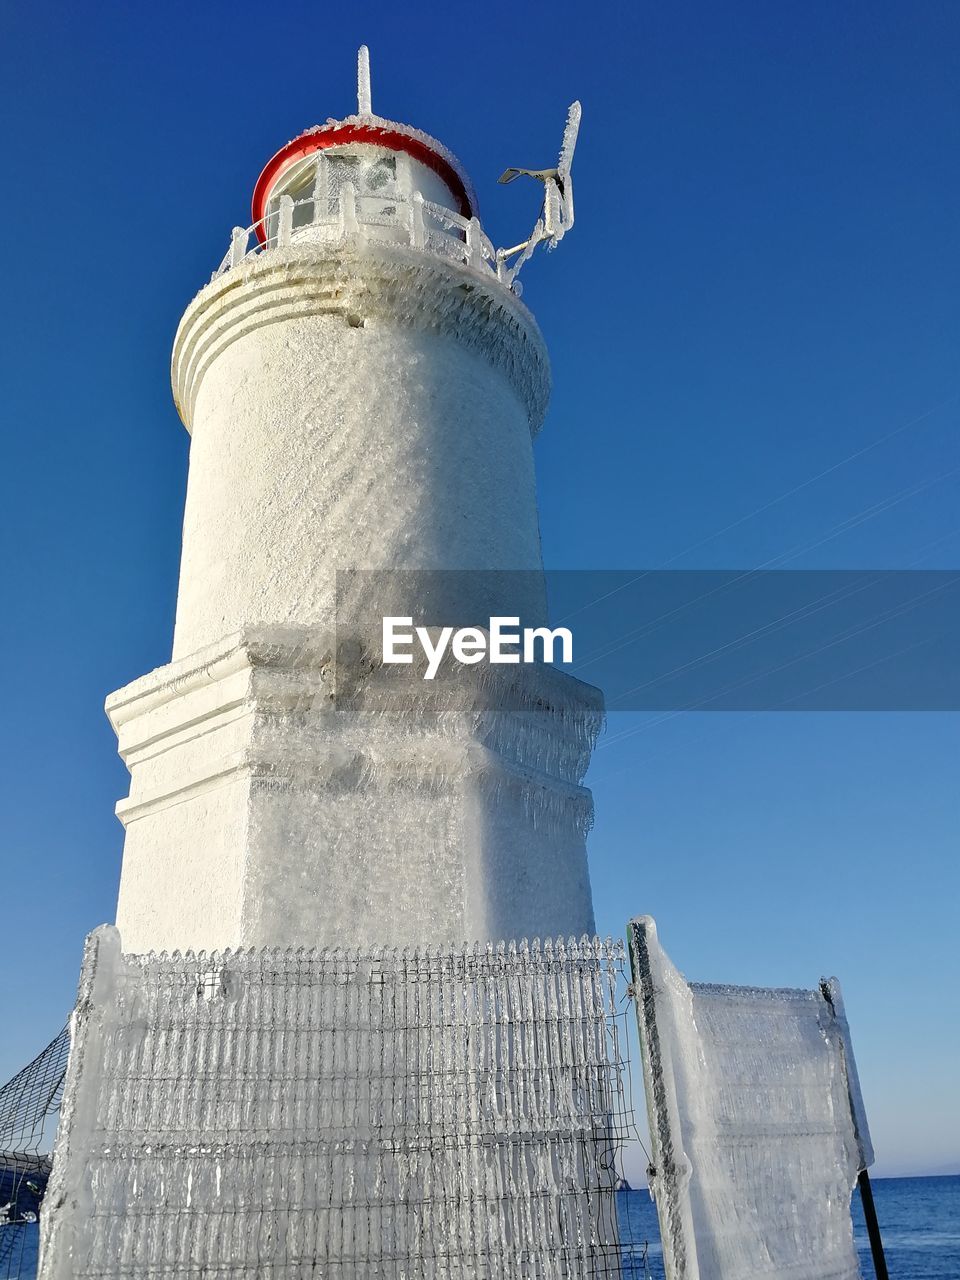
417	236
873	1227
320	188
669	1171
285	228
475	242
348	210
238	245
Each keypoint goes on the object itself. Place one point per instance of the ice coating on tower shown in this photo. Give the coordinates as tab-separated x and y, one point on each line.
357	402
755	1148
407	445
325	806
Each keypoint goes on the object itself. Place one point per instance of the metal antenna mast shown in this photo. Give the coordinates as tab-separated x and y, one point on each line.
364	107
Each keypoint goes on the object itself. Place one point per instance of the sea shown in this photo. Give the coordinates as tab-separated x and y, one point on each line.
919	1222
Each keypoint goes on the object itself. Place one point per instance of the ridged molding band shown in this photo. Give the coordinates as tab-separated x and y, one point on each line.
389	283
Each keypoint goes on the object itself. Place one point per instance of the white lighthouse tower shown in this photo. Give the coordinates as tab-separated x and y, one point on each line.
362	386
318	1042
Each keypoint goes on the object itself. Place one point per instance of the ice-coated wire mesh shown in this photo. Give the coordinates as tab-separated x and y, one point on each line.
344	1114
29	1104
750	1093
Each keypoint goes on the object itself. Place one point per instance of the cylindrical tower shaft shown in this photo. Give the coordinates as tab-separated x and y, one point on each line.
350	409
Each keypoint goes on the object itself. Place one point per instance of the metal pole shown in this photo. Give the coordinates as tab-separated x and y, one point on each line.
873	1227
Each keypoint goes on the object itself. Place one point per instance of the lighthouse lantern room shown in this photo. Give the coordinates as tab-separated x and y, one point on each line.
370	175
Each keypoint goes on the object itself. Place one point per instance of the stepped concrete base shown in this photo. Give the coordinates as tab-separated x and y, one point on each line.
266	811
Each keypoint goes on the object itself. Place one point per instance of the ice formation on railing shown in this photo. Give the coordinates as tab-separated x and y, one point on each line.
394	1113
341	212
756	1120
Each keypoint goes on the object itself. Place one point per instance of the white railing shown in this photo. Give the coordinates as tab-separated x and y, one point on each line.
333	217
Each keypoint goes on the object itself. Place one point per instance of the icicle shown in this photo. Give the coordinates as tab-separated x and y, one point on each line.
568	145
238	245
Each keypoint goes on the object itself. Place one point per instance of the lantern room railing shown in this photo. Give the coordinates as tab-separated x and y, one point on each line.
335	217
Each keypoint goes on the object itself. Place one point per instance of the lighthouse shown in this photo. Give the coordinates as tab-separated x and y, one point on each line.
362	385
324	1038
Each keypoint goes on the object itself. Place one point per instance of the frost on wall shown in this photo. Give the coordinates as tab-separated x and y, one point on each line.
341	1114
283	793
756	1120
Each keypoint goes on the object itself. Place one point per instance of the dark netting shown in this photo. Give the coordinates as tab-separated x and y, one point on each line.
399	1114
29	1104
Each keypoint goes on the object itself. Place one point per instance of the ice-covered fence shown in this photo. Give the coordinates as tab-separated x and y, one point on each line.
392	1114
757	1124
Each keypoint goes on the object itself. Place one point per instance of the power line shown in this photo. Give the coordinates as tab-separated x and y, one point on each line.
843	526
773	502
680	711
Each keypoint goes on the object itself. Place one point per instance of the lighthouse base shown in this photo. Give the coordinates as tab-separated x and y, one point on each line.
267	810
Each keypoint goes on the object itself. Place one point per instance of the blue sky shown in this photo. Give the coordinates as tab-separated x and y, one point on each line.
762	286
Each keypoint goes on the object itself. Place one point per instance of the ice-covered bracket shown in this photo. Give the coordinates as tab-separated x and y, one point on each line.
757	1124
556	217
